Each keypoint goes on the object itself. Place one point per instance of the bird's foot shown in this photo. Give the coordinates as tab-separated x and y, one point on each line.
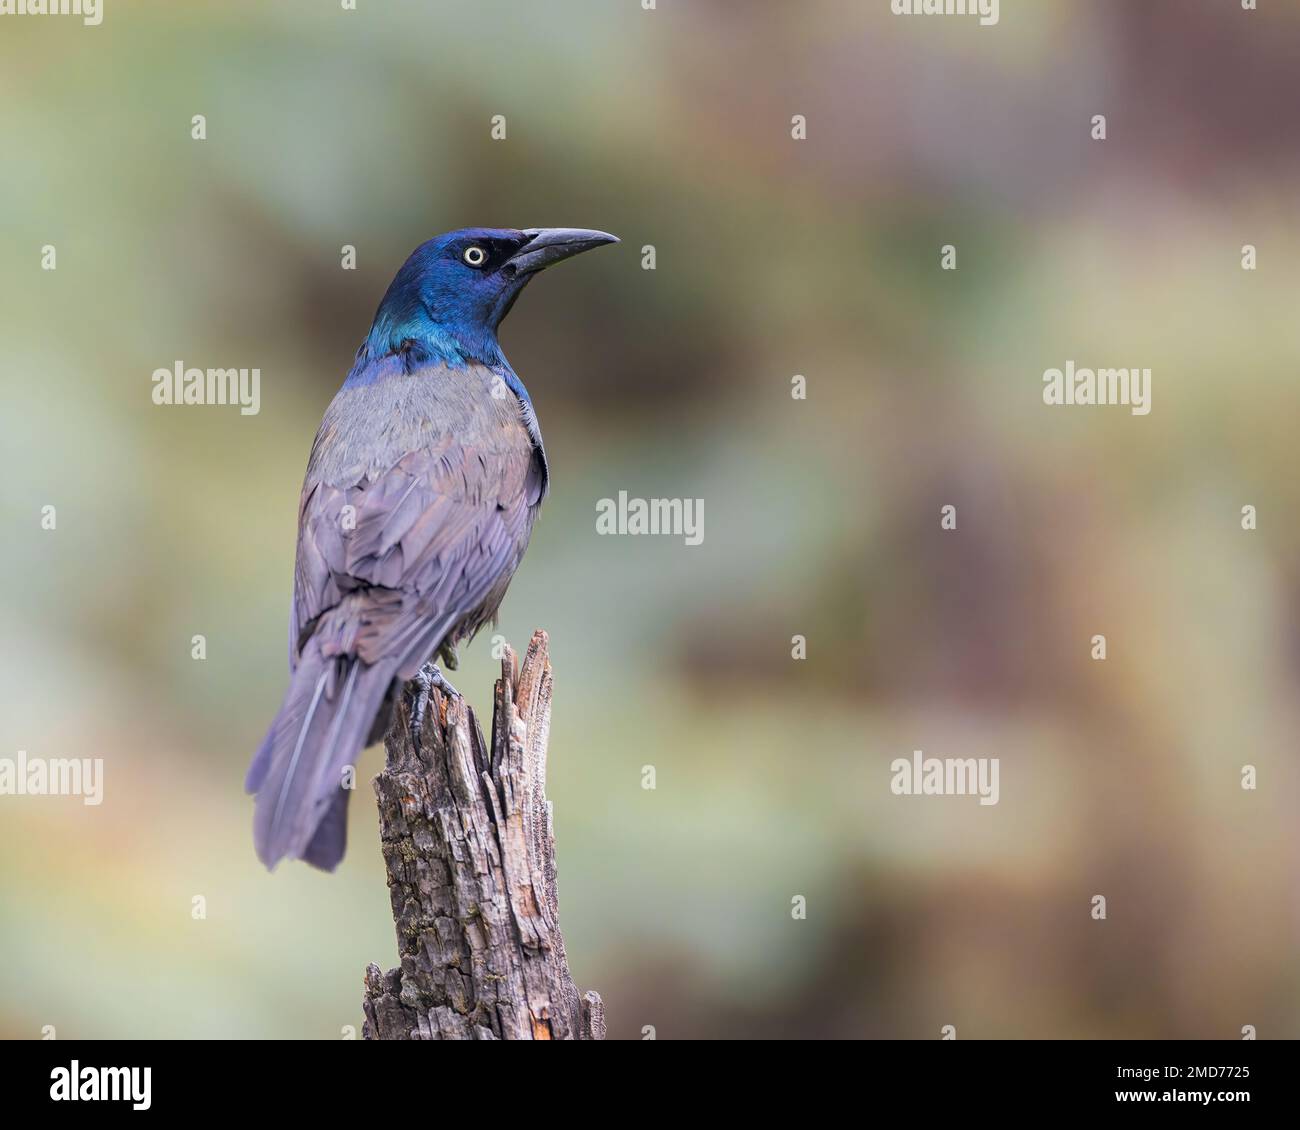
437	679
425	681
419	706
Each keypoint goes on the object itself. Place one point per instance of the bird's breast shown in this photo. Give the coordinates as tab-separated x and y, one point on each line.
458	413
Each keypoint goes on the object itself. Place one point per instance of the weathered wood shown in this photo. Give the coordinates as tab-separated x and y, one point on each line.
470	852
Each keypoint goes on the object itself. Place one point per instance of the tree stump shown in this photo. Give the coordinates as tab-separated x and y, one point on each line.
470	853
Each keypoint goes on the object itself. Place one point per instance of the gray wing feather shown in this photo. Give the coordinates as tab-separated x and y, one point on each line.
420	497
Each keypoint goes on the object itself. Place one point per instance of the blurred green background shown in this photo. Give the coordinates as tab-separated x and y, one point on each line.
774	257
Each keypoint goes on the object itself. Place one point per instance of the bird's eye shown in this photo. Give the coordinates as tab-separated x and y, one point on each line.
475	256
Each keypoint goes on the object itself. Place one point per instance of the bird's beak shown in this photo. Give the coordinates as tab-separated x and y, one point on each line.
549	245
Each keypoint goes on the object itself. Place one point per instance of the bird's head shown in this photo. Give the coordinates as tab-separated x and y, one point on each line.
451	294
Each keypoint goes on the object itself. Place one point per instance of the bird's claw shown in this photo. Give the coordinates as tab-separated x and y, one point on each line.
419	707
426	681
437	679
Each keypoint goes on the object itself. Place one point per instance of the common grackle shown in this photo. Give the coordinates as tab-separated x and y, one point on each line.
421	491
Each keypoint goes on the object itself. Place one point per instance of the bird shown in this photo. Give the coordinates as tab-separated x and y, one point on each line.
422	487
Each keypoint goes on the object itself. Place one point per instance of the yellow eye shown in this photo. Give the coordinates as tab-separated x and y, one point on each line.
475	256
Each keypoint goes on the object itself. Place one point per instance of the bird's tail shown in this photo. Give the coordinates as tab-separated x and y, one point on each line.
297	773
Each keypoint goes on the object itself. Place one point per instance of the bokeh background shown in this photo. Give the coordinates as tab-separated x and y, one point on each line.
671	128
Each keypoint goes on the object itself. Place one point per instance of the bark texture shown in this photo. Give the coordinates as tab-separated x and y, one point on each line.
470	853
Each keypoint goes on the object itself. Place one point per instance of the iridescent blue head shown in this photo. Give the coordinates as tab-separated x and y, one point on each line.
452	293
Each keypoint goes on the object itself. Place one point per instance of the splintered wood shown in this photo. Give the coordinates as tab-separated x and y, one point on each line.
470	852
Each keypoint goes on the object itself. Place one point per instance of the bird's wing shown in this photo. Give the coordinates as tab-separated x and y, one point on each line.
419	499
421	493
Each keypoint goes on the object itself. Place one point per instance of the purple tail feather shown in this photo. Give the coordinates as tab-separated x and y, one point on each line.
297	774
